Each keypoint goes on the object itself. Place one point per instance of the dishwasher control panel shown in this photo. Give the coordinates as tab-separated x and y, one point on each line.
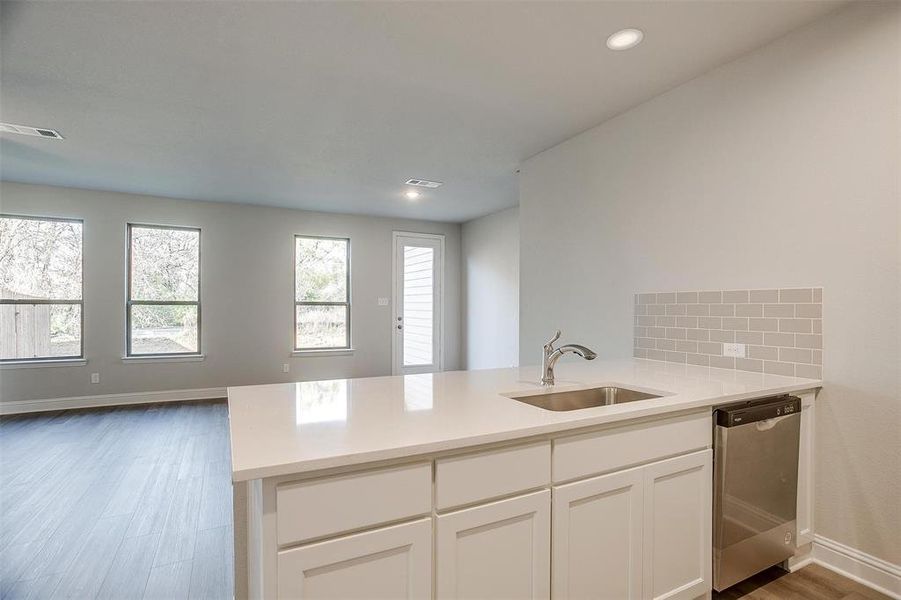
740	414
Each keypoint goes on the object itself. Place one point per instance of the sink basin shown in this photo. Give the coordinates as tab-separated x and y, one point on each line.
575	400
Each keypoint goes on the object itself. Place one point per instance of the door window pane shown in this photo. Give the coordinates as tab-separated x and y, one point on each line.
419	299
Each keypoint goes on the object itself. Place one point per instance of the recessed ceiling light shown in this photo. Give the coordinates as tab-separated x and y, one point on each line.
412	194
625	39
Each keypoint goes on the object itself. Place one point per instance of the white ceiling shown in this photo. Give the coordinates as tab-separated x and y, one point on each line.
331	106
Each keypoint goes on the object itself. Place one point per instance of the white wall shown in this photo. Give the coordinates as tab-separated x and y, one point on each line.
490	265
247	293
779	169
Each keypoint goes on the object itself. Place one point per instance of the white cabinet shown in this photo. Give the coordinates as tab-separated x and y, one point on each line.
394	562
638	533
677	527
597	537
623	523
496	550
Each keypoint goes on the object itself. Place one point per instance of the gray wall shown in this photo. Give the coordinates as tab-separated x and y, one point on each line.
247	286
490	265
780	169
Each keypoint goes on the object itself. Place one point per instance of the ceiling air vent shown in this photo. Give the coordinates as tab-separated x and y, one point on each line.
32	131
424	183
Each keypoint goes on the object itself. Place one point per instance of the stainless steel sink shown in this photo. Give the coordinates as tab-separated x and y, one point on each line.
575	400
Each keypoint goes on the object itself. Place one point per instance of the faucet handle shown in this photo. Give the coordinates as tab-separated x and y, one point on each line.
550	343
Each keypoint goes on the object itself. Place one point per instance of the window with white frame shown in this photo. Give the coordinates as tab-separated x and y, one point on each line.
41	306
163	304
321	293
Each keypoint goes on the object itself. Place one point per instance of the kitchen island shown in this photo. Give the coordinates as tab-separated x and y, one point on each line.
442	485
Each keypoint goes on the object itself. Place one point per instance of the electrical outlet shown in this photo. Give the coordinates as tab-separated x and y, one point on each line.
95	377
286	368
383	302
734	350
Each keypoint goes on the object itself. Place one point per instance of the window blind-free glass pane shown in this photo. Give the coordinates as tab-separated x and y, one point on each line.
418	305
40	259
321	270
40	330
163	329
165	264
321	327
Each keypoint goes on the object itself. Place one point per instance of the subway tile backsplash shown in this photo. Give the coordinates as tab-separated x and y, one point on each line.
782	329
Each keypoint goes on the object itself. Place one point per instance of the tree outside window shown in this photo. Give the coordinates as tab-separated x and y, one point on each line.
321	293
163	290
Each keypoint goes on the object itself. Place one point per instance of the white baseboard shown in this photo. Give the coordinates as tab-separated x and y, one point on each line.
864	568
28	406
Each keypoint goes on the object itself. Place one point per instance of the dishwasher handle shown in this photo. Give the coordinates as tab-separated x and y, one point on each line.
756	411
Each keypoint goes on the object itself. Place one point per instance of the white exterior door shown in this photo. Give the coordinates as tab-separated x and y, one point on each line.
497	550
677	527
418	311
597	537
390	563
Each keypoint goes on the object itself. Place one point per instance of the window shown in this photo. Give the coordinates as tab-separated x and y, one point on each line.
41	308
321	293
163	307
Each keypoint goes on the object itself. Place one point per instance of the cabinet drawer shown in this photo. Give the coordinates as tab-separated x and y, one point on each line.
464	479
619	447
321	507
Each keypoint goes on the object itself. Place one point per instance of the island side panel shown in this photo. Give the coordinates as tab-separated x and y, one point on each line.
239	530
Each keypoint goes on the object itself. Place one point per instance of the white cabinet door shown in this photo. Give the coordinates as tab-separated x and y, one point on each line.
394	562
597	537
677	527
497	550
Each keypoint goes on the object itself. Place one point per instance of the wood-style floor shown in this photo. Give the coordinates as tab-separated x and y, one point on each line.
117	503
813	582
136	502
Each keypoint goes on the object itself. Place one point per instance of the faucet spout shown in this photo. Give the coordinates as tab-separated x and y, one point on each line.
578	350
551	355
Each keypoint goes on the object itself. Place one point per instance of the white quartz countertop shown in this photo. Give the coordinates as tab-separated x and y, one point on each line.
286	428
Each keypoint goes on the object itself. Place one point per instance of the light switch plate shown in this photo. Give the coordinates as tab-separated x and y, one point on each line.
734	350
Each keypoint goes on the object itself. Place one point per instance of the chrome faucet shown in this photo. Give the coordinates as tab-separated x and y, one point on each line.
551	355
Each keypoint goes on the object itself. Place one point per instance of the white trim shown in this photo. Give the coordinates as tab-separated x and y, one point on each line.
27	406
875	573
335	352
791	566
41	363
163	359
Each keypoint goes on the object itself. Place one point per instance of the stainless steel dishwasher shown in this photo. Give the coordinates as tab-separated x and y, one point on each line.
755	486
